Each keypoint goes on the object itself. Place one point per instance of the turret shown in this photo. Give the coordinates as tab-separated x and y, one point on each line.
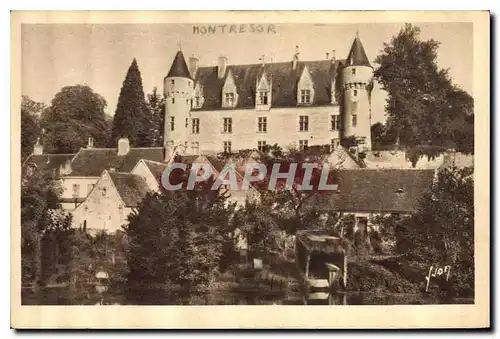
178	91
357	77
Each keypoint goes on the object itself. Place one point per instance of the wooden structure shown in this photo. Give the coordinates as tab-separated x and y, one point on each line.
321	260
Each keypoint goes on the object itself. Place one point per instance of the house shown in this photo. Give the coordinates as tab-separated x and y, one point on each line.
110	201
86	168
366	193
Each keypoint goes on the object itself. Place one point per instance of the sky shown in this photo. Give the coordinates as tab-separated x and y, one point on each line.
98	55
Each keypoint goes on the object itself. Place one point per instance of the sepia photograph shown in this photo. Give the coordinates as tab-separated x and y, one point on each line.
279	163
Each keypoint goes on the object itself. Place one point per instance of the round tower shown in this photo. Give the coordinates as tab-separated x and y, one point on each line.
178	89
357	82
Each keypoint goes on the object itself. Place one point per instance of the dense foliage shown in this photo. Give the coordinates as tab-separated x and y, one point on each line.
424	107
156	106
30	127
178	238
75	114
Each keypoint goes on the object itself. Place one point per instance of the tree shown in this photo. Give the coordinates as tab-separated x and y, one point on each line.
40	213
156	105
442	231
423	105
132	119
382	138
75	114
30	128
177	237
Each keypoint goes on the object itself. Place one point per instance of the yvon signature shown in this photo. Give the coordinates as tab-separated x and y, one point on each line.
438	271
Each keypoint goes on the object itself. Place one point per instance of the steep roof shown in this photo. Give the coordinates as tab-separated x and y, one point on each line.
131	187
284	83
179	67
156	169
93	161
379	190
357	55
50	163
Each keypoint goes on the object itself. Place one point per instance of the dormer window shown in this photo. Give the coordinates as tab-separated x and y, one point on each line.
263	98
229	99
305	96
229	93
198	96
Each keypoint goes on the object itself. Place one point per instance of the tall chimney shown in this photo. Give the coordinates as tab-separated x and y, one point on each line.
90	143
38	148
221	66
333	56
295	58
123	146
193	66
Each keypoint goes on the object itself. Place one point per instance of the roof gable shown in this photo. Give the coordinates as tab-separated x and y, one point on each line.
130	187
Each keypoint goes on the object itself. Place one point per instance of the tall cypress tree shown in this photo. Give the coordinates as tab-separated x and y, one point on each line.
132	118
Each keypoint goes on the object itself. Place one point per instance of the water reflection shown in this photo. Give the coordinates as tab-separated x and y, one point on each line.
93	295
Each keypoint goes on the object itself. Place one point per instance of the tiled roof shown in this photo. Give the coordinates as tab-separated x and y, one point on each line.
179	67
131	188
284	83
156	169
50	163
357	55
378	190
93	161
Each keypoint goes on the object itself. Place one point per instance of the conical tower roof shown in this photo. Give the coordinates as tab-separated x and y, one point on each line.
179	67
357	55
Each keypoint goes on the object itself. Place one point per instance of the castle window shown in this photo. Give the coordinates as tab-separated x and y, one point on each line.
353	71
303	123
195	147
263	98
334	144
197	101
303	145
228	125
172	82
355	92
195	128
173	100
76	190
227	147
229	99
172	120
354	120
305	96
262	124
261	145
335	123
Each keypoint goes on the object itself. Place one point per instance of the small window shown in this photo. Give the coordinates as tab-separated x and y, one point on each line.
173	100
354	120
353	71
263	98
187	101
261	145
197	101
195	147
303	145
195	127
172	122
227	147
355	92
335	122
305	96
229	99
303	123
228	125
76	190
172	82
262	124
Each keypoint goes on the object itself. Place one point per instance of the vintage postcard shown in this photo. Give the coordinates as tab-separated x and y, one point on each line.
250	170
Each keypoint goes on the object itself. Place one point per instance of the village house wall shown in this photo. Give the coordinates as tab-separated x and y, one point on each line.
103	208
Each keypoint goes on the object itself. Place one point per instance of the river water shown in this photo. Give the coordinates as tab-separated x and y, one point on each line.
90	296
